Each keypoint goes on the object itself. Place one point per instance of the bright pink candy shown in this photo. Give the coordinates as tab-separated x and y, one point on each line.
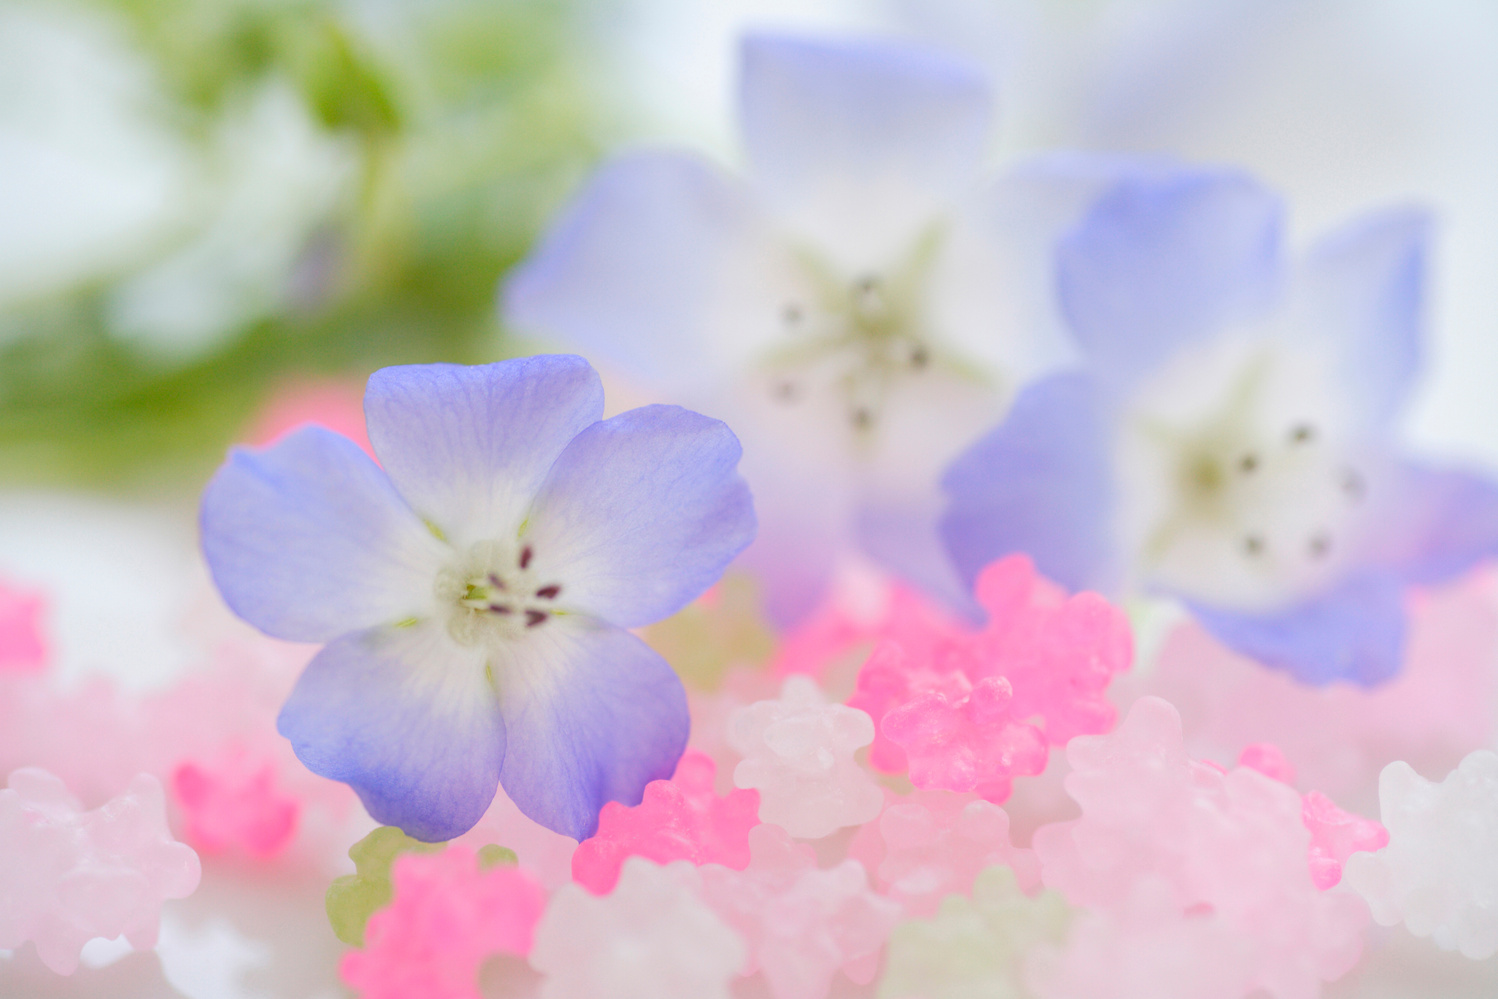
977	708
678	819
801	924
931	844
446	917
234	804
22	649
1229	847
1335	836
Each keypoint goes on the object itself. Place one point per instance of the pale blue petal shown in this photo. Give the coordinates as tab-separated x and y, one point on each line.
409	720
469	446
1356	632
1363	288
1163	261
858	110
593	714
641	513
1441	523
1040	483
631	271
308	540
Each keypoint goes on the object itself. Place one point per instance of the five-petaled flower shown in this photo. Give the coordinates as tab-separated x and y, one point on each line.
859	307
474	587
1228	438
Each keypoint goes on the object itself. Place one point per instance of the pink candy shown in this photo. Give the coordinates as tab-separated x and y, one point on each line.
1335	836
22	648
234	803
974	709
446	917
801	924
679	819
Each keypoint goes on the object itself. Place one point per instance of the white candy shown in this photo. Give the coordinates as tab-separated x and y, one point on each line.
1439	873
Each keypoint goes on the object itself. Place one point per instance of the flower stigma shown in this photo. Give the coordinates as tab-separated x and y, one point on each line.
494	594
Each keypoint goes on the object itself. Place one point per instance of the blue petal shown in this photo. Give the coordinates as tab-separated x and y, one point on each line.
593	714
409	720
1161	261
308	540
1040	483
814	110
641	513
1355	632
630	270
1442	522
469	446
1364	288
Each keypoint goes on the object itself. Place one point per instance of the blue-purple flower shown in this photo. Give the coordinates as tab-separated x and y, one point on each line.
1228	438
474	587
859	307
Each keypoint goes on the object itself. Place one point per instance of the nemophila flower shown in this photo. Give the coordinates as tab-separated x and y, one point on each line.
474	587
859	307
1228	438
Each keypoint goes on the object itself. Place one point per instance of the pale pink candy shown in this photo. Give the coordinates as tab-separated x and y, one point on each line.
335	404
446	917
1339	737
801	924
931	844
798	753
1228	844
233	803
22	648
1335	836
971	742
69	875
678	819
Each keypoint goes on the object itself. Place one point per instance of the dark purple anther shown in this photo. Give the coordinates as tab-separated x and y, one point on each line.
534	617
499	608
525	556
495	581
549	592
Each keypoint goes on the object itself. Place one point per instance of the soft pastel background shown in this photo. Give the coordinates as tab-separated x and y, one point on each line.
218	216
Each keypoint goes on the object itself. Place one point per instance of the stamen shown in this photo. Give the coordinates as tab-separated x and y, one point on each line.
791	314
499	609
786	391
549	592
1354	485
1248	463
1320	545
534	617
1253	544
919	358
495	581
1302	433
525	556
862	418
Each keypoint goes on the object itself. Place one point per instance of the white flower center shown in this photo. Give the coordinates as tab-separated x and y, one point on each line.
1240	486
493	593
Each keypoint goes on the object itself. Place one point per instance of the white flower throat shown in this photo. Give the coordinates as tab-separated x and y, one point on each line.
494	593
854	338
1248	499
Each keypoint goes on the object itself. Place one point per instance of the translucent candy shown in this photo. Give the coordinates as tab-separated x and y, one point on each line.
972	709
651	937
1230	846
353	898
234	803
801	924
69	875
1335	836
931	844
973	948
448	915
1439	873
798	753
678	819
22	648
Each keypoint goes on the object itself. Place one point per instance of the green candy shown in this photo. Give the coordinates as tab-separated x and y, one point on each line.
973	948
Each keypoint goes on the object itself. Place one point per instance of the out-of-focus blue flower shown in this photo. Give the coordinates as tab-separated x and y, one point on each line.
859	308
1227	439
474	587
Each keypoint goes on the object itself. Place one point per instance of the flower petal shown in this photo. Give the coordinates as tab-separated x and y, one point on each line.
641	513
469	446
649	268
593	714
1039	483
409	720
1363	288
816	111
1165	259
1443	522
308	540
1355	632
